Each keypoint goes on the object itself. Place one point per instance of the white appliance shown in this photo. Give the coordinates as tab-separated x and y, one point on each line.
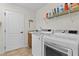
37	42
60	44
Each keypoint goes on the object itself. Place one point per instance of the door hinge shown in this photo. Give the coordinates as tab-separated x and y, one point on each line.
4	13
4	47
5	30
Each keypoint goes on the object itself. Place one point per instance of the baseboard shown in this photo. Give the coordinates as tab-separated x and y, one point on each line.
2	51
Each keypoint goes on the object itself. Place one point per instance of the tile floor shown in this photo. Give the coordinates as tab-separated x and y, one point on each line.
19	52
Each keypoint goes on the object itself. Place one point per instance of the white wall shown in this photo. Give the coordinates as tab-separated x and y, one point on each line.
12	7
65	22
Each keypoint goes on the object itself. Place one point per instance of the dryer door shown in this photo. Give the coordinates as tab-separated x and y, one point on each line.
52	49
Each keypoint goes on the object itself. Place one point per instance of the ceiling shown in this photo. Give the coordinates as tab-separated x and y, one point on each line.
32	7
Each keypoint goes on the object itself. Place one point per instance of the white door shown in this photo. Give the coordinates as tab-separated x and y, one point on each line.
14	30
36	45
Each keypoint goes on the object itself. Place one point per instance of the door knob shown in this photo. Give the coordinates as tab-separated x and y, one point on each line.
21	32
